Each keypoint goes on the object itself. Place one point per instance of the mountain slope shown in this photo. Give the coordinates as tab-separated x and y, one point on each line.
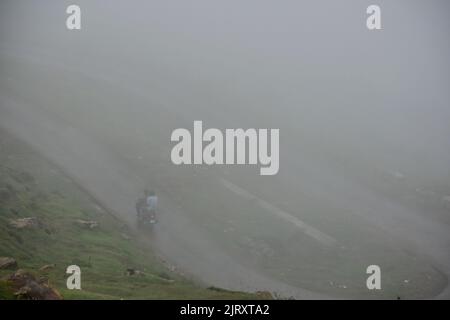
60	235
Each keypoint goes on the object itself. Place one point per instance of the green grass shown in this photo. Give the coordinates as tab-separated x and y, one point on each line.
32	187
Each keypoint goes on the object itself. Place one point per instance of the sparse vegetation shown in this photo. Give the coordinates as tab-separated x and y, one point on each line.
30	187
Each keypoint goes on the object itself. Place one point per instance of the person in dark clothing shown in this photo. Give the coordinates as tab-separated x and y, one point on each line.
146	208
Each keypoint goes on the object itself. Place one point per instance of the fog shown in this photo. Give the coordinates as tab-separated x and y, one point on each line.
364	120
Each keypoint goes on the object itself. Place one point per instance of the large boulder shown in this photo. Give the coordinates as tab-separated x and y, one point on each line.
8	263
27	287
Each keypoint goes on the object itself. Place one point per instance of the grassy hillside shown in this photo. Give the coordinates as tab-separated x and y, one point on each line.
32	187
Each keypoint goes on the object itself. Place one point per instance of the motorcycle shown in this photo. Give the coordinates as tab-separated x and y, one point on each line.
146	218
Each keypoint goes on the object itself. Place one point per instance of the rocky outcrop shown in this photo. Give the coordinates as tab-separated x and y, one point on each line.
27	287
8	263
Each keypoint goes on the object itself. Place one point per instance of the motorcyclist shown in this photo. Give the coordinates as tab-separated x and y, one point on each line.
146	207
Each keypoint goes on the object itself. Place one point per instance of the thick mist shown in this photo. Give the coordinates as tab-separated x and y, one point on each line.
364	131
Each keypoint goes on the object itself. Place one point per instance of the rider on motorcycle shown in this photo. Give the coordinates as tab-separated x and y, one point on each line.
146	207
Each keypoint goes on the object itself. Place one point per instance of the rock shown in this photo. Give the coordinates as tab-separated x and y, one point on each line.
90	224
265	295
130	272
134	272
8	263
25	223
27	287
47	267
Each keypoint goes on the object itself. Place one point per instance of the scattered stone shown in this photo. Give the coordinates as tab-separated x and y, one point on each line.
47	267
44	280
133	272
265	295
90	224
27	287
8	263
166	277
25	223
